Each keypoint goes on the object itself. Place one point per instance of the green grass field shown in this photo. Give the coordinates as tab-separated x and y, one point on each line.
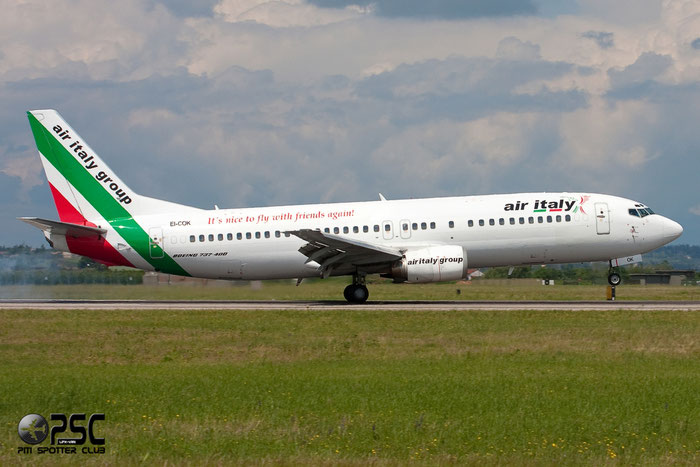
332	289
357	387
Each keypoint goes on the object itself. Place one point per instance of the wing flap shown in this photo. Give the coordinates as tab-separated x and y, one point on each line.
331	251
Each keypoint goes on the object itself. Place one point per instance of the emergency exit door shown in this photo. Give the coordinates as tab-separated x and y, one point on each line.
155	242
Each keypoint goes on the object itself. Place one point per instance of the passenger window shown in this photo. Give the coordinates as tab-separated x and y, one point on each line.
512	221
470	223
211	237
201	238
521	220
287	234
531	220
549	219
423	226
191	238
355	229
248	235
451	224
239	236
492	222
540	219
432	225
376	227
387	227
481	222
365	228
267	234
567	218
327	230
345	229
558	218
278	234
229	236
501	221
404	226
257	234
220	237
336	230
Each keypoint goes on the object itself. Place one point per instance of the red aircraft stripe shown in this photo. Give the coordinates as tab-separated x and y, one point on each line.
96	248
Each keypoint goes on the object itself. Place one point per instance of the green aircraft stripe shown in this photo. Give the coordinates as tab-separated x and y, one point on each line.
96	194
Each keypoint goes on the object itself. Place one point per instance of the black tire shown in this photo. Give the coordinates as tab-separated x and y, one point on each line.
614	279
356	293
347	293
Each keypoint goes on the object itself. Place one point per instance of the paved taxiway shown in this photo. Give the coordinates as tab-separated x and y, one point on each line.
335	305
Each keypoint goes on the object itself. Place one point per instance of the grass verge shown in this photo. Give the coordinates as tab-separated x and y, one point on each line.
359	387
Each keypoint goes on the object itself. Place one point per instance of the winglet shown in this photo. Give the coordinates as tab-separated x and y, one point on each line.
381	197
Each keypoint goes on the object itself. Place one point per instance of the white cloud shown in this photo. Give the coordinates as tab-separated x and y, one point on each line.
606	137
283	13
513	48
26	169
87	39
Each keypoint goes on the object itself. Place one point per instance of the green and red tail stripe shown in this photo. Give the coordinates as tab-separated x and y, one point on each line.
94	196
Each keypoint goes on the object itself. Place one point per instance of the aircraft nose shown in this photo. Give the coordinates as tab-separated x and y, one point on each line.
671	229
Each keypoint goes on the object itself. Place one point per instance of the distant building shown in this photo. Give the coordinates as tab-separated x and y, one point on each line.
663	277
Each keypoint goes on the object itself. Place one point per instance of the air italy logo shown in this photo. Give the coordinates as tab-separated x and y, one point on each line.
567	204
33	429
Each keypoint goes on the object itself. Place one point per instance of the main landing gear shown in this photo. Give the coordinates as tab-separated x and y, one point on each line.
357	291
614	278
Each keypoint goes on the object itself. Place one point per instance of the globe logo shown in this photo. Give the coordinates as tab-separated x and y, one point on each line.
32	428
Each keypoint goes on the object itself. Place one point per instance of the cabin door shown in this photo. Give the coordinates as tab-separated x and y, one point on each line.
602	218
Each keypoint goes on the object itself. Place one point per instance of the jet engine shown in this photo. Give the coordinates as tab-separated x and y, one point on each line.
431	264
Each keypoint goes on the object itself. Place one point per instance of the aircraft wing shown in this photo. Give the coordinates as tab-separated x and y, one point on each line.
63	228
331	251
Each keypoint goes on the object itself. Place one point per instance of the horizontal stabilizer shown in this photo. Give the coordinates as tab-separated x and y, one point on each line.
63	228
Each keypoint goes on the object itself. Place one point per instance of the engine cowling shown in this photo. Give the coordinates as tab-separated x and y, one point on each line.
431	264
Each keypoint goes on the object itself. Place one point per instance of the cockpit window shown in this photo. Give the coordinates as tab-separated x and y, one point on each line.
640	211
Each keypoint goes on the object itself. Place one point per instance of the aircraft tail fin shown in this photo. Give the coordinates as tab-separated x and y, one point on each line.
84	188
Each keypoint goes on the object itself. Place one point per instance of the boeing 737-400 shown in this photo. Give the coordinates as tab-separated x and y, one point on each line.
412	240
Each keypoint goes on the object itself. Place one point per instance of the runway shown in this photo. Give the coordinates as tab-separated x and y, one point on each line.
60	304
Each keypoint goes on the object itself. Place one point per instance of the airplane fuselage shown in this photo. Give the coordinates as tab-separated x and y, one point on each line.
493	230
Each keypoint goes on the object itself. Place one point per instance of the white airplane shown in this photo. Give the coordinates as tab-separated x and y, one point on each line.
413	240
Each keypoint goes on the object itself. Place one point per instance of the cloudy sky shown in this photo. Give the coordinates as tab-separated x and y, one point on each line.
254	102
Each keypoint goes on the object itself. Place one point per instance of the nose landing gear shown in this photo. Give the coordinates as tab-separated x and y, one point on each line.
614	278
357	291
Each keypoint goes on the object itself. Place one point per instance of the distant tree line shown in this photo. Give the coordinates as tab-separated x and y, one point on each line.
22	264
585	273
71	276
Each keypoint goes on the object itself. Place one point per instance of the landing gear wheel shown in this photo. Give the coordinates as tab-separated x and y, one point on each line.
614	279
355	293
